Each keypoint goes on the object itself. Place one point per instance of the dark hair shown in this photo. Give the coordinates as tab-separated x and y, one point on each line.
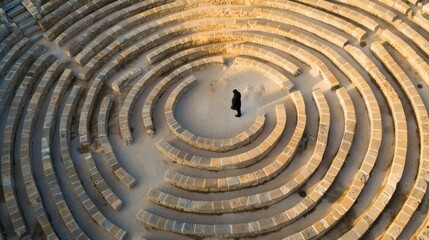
235	91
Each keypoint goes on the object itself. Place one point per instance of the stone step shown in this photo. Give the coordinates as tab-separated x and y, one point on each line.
4	32
21	17
19	9
30	30
27	23
36	36
425	10
11	5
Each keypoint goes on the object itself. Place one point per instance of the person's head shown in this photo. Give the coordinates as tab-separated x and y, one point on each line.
235	91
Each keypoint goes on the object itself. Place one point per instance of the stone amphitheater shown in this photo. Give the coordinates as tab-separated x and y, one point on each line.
116	120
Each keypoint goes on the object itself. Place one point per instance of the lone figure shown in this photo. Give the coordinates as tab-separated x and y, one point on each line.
236	102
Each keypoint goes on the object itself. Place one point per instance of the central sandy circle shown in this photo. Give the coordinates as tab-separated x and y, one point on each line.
205	109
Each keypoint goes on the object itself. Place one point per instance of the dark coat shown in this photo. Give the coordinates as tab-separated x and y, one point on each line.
236	101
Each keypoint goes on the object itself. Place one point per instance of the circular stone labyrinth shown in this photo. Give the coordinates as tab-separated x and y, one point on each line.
116	120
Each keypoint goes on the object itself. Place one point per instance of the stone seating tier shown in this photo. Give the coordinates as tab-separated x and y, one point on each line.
71	172
413	35
120	83
8	156
47	160
16	74
415	2
318	229
132	36
421	21
416	62
373	8
361	177
60	12
400	149
76	45
415	196
51	6
150	12
108	195
73	17
398	5
169	47
345	12
48	123
255	38
108	15
116	167
9	42
269	72
13	54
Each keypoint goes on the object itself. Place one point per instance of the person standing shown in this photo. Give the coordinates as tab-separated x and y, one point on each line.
236	102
